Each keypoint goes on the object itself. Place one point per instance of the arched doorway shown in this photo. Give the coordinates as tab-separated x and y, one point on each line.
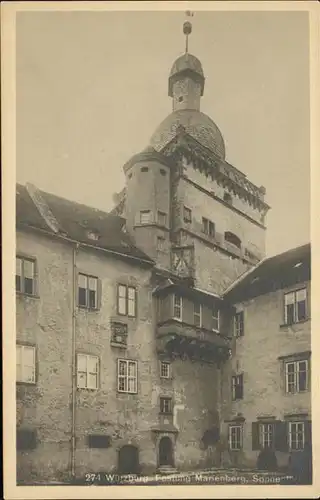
128	460
165	451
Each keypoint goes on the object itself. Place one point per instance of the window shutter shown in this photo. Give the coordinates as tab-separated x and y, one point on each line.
308	433
36	279
255	436
281	436
241	386
135	302
99	293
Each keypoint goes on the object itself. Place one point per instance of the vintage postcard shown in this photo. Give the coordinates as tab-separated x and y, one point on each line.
159	162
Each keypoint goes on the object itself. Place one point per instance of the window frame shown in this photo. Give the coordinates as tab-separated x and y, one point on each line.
168	365
126	376
208	227
239	428
295	306
290	440
239	325
141	221
22	347
88	277
232	239
215	308
33	261
162	215
87	372
296	372
127	299
161	247
180	306
234	386
270	441
187	215
163	400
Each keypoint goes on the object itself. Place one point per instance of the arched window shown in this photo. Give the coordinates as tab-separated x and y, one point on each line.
232	238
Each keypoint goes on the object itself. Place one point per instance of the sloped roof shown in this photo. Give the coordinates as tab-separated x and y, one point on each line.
277	272
75	221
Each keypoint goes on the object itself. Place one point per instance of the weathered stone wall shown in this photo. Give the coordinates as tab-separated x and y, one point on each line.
127	418
212	186
149	190
256	356
186	94
45	321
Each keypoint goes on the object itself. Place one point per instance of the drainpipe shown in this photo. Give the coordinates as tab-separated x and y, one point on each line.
74	375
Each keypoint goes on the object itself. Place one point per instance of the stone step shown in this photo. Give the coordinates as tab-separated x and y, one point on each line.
167	469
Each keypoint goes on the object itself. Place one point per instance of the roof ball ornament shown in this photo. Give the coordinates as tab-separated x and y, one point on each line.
187	27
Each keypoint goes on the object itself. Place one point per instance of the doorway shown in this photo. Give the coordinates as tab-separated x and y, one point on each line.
165	451
128	460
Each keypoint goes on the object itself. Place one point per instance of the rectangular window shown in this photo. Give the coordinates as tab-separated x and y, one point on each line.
25	275
215	319
296	435
235	437
164	369
162	218
145	217
87	291
239	324
197	314
127	376
166	406
26	364
237	387
296	373
26	439
87	371
160	244
177	307
127	300
266	435
295	306
187	215
208	227
98	441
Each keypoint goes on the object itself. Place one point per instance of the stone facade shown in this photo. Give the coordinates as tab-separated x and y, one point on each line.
132	390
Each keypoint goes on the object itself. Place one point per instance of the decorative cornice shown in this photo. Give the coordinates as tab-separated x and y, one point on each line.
215	197
225	174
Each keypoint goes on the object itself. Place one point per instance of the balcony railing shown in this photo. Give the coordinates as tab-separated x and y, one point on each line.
180	339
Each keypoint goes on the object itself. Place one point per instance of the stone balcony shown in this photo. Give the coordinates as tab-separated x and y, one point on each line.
178	339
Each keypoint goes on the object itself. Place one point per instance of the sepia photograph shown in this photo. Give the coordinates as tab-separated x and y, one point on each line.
162	247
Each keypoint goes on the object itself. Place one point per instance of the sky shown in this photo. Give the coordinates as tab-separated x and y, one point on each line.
91	88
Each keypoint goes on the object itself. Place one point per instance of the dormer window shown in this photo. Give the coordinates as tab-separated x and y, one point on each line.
93	235
232	238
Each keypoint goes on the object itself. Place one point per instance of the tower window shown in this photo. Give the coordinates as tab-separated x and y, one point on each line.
187	214
166	405
232	238
144	169
160	243
162	218
237	387
145	217
208	227
163	172
180	98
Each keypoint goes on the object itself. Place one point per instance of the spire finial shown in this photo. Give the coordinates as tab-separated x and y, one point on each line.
187	28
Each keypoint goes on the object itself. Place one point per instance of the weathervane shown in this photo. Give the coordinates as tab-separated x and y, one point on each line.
187	28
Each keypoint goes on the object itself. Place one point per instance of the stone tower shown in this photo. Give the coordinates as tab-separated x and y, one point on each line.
181	193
